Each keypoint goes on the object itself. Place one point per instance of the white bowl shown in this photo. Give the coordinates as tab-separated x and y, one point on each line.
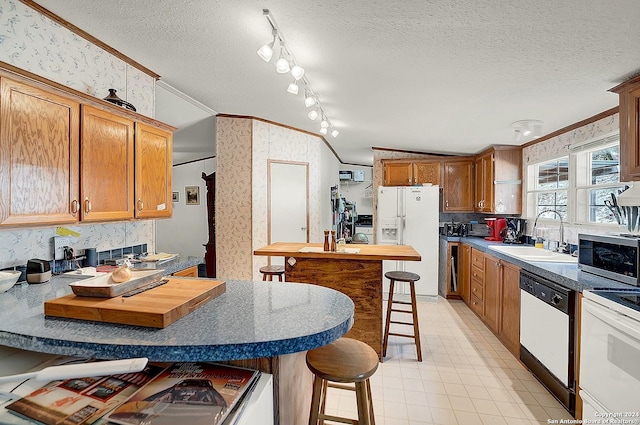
8	278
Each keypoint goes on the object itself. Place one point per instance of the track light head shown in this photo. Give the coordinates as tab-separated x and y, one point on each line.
282	66
335	133
309	100
313	114
324	123
266	52
297	71
323	130
293	87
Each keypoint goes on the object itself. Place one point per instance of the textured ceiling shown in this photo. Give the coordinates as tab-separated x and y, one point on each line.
433	76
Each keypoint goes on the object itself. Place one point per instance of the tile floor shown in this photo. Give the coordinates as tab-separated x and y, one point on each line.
467	377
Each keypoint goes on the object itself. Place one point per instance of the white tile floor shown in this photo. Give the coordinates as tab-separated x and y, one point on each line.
467	377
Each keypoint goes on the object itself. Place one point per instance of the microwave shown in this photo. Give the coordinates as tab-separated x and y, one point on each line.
613	257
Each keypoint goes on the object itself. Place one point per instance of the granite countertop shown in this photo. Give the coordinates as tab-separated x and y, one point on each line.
565	274
250	320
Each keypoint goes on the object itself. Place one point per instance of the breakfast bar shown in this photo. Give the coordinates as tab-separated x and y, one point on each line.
356	272
258	325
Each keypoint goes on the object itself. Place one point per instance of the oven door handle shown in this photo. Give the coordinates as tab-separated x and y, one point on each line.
615	320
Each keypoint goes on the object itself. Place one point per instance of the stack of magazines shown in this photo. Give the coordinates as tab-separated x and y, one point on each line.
180	393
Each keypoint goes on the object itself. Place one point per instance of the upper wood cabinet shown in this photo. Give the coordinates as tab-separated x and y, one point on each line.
39	148
458	186
106	166
409	173
67	157
629	114
498	186
153	166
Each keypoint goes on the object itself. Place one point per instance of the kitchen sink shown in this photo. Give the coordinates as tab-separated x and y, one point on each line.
530	253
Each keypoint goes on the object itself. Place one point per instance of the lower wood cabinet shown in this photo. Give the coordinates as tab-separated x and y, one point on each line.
494	295
509	331
464	272
189	272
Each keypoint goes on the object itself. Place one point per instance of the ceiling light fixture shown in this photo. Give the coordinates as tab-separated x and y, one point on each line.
525	130
287	62
266	51
293	87
309	99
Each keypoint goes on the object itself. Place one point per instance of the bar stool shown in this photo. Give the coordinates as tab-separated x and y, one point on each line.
411	278
271	271
344	361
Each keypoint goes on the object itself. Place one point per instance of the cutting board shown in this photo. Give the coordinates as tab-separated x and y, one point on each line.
157	307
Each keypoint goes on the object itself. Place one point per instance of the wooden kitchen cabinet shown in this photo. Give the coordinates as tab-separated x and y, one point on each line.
629	116
476	299
458	186
509	329
188	272
153	172
464	272
39	148
492	283
448	284
409	173
107	163
67	157
498	185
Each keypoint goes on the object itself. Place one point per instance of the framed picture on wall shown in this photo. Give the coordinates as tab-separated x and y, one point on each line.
192	195
176	196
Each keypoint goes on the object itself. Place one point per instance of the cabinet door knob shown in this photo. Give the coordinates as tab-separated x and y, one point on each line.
87	206
140	205
409	180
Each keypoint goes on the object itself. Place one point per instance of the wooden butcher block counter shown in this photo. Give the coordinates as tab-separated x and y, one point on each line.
356	273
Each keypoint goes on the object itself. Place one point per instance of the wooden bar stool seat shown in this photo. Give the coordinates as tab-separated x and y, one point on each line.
270	271
344	361
411	278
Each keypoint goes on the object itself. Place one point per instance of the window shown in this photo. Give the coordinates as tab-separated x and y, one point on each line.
579	186
548	187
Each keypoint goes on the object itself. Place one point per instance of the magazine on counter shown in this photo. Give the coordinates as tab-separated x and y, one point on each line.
187	393
81	400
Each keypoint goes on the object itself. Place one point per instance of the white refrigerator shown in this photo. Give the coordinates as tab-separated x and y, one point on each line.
409	216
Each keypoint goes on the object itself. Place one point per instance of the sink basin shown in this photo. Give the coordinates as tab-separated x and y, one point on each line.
530	253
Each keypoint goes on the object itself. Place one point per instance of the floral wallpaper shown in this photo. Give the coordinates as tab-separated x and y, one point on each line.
244	148
33	42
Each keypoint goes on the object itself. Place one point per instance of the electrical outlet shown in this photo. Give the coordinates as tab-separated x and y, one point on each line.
59	242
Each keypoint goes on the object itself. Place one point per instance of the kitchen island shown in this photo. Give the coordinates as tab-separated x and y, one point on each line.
356	273
254	324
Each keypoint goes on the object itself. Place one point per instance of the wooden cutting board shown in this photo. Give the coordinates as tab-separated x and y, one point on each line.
157	307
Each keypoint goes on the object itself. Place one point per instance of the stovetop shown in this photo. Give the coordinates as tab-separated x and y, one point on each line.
626	302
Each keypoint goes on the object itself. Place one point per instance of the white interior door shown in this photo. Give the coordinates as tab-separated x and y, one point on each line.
288	203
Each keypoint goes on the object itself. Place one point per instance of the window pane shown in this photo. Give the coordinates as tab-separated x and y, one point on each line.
599	212
556	201
553	174
605	165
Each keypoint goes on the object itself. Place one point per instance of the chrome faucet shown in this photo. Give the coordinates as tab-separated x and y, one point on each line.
562	247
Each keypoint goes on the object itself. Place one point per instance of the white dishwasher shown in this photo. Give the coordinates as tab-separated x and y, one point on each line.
547	337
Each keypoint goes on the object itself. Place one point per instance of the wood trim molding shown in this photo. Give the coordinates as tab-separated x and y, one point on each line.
13	72
250	117
573	126
377	148
68	25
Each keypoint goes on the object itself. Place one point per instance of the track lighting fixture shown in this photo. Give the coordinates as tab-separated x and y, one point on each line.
287	63
293	87
266	51
309	100
297	71
282	66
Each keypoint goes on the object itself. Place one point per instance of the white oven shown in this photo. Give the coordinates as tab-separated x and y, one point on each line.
610	356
